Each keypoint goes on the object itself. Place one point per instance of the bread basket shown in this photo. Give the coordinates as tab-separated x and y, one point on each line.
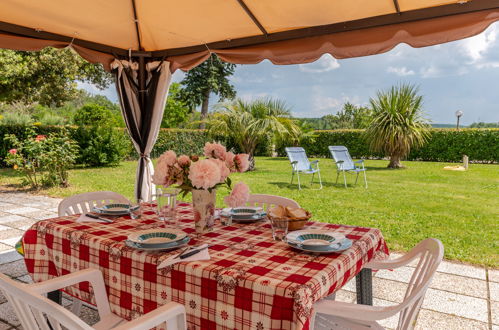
293	223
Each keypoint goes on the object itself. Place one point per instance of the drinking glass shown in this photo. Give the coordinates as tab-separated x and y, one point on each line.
136	209
279	229
225	219
166	199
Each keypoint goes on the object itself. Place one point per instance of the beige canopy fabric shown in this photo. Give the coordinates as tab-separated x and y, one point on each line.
240	31
354	43
168	24
348	44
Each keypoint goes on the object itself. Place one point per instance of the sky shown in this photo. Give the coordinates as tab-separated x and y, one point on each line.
461	75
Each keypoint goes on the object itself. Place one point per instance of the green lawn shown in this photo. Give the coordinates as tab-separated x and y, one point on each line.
459	208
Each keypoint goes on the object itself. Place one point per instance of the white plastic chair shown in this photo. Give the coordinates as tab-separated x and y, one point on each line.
83	203
344	163
37	312
339	315
300	164
268	201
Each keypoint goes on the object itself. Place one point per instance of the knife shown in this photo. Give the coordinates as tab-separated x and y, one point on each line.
98	218
193	252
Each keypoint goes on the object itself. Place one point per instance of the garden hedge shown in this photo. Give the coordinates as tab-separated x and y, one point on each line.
444	145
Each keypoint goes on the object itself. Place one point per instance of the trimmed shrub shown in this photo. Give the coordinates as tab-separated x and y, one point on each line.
182	141
444	145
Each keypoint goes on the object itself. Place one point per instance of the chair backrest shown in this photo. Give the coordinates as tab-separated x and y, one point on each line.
430	253
268	201
298	154
340	153
83	203
33	309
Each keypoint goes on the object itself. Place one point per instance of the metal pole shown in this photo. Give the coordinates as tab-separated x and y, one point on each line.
457	125
142	103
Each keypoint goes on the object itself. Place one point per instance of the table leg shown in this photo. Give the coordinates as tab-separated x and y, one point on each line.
364	281
55	296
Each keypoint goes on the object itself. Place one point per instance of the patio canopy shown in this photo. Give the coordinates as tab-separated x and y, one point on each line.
239	31
143	41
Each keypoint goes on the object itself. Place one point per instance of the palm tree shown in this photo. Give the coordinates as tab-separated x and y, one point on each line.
250	123
398	123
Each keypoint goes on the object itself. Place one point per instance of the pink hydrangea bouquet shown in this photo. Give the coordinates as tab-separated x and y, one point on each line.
190	173
202	177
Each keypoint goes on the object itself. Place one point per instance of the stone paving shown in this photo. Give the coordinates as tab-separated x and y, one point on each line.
460	297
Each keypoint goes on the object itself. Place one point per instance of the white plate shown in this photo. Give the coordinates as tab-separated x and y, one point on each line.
156	236
182	243
114	209
317	237
342	245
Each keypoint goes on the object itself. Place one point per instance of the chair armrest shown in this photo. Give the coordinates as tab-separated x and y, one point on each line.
172	313
354	311
339	161
294	162
392	263
314	161
361	162
94	276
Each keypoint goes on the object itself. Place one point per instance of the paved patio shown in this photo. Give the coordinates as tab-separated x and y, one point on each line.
460	297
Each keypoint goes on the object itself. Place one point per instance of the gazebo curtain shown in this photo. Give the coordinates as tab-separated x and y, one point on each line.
142	114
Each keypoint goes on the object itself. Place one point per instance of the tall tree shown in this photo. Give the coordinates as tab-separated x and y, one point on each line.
398	123
176	111
350	116
48	77
209	77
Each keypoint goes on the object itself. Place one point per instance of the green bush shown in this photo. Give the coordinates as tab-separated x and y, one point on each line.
100	143
43	160
182	141
444	145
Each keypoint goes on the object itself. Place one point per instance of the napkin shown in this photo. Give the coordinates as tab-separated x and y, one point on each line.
202	255
84	218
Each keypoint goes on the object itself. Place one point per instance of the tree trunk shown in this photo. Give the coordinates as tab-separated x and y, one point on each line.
251	166
204	107
395	162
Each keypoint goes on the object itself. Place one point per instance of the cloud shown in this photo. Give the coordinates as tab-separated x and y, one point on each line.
400	71
476	47
324	64
325	103
253	96
430	72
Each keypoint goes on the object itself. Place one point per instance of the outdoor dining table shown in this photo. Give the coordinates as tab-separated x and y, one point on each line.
250	281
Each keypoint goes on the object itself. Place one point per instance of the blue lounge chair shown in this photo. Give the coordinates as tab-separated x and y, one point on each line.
300	164
344	163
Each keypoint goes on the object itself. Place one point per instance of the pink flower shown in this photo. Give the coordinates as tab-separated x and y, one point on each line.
224	170
241	162
229	160
184	161
160	174
239	195
214	150
40	137
13	151
169	158
204	174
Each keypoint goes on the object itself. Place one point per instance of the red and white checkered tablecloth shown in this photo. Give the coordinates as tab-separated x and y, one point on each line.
251	281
